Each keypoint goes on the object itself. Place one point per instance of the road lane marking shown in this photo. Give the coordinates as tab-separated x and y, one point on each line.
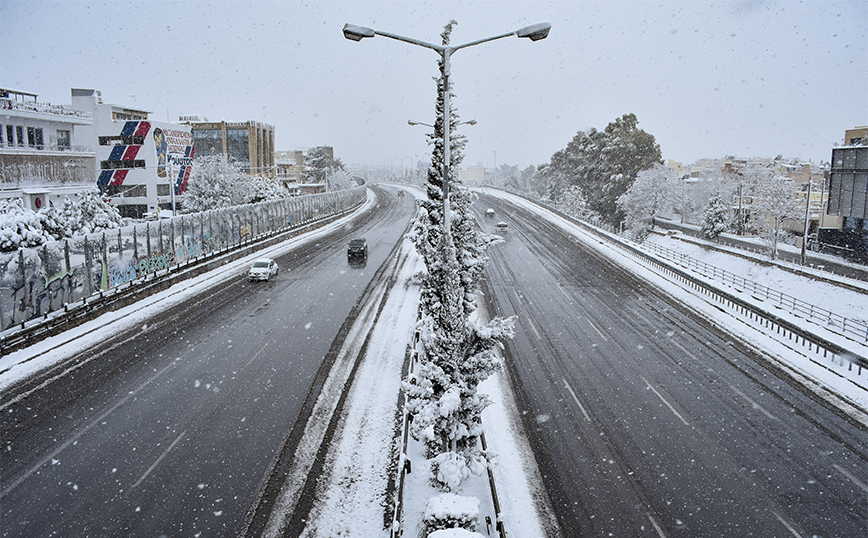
684	349
532	326
753	403
163	455
677	414
851	477
636	312
656	526
256	354
582	407
603	336
787	525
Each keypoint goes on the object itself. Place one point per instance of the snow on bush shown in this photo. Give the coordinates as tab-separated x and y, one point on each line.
19	227
87	213
455	533
450	511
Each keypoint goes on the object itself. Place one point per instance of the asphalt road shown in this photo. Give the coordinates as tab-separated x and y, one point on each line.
171	433
645	421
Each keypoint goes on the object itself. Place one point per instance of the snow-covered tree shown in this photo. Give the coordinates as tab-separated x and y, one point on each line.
650	195
718	215
775	201
87	213
213	184
604	164
456	354
318	163
573	203
261	189
20	227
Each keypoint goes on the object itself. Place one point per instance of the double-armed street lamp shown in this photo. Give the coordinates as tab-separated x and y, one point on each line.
534	32
411	122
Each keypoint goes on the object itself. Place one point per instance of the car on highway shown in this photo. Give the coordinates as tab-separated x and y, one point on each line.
489	213
501	226
357	250
263	269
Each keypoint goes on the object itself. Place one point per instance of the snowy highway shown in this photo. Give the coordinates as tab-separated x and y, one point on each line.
646	421
171	432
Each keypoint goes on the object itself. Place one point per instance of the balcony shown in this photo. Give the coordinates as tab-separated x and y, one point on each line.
45	108
7	148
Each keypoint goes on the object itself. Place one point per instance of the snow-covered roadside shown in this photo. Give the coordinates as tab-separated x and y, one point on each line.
829	380
825	295
25	362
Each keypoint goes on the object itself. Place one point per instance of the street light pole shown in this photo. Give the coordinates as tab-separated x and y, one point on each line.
534	32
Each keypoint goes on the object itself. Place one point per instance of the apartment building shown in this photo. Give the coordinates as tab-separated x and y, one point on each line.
45	151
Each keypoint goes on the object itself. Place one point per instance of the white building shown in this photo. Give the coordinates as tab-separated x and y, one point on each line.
142	165
46	152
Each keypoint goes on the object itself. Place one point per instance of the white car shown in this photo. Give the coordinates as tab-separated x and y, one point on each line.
501	226
263	269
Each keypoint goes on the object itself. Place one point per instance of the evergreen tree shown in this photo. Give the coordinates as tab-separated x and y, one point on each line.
717	217
604	164
456	354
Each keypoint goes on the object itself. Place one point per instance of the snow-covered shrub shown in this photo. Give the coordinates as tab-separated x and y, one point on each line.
87	213
717	218
19	227
450	511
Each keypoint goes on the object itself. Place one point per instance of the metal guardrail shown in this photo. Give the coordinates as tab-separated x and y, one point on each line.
835	322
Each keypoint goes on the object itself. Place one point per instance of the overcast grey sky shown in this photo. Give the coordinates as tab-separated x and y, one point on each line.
707	79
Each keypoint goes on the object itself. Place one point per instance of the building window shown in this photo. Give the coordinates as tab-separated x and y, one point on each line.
121	140
122	164
128	115
2	140
10	135
63	139
163	189
19	135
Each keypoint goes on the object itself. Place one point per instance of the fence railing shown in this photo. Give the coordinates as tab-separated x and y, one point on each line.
856	329
37	281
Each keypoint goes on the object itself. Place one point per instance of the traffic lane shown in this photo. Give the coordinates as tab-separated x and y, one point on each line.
187	446
604	360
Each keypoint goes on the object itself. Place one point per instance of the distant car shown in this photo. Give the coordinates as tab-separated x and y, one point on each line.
501	226
401	194
357	250
489	213
263	269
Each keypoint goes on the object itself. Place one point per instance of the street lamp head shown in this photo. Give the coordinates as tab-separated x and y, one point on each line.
535	32
471	122
356	33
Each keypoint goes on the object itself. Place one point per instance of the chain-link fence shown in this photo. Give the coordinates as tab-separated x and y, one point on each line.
36	281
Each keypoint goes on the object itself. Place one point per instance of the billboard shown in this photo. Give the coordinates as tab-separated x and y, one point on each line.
143	162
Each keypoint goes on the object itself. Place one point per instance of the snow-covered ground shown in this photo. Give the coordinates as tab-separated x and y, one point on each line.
350	501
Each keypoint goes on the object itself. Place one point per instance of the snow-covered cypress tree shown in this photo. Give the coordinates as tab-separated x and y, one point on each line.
456	354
